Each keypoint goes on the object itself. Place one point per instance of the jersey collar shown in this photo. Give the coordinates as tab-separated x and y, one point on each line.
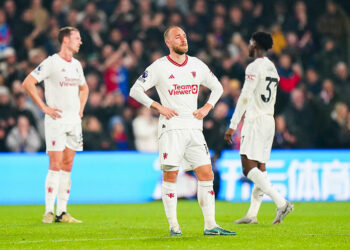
175	63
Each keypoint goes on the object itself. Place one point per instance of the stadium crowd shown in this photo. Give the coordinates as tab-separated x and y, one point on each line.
120	38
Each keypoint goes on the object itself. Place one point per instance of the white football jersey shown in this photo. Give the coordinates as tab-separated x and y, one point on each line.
62	80
177	86
258	95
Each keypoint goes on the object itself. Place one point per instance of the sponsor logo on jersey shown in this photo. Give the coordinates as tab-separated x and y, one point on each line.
171	76
250	77
186	89
194	74
69	82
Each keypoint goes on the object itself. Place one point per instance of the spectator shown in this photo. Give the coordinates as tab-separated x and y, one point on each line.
5	32
283	138
342	82
23	137
118	132
145	128
94	136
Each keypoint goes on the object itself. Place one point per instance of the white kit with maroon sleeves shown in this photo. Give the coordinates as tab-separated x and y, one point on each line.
177	86
181	141
62	80
257	101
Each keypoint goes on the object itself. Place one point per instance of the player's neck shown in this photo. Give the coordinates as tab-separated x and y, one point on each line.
66	54
179	59
260	54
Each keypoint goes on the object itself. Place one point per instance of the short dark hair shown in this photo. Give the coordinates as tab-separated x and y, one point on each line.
65	31
263	39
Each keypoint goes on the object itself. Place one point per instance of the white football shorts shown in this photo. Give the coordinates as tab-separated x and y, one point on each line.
183	147
59	136
257	138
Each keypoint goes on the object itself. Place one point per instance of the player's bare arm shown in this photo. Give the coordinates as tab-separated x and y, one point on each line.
203	111
167	112
228	135
83	95
29	86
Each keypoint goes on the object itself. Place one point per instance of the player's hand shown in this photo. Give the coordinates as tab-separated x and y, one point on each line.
52	112
228	135
167	112
81	113
202	112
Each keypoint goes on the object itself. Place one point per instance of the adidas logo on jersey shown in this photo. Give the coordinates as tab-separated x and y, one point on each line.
171	76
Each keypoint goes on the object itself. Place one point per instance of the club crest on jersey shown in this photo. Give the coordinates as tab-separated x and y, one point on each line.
194	74
186	89
250	77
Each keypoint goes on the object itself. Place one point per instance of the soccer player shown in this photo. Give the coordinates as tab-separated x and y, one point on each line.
257	101
177	78
66	93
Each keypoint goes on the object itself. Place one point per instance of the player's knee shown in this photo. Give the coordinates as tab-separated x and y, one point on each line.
67	164
170	176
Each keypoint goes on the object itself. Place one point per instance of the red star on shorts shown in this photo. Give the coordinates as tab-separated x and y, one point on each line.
211	192
50	189
171	195
165	155
53	143
68	191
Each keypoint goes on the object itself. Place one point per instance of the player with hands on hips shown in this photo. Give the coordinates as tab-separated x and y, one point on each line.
66	93
177	78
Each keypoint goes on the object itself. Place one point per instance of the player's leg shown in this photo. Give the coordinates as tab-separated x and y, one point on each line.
64	187
198	158
206	200
206	195
169	197
52	184
171	150
255	202
251	170
74	143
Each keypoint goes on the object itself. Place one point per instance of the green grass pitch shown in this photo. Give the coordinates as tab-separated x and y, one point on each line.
144	226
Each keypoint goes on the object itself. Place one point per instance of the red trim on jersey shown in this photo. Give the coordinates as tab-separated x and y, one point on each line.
175	63
65	58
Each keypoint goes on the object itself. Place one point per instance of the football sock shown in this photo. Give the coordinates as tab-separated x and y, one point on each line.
256	176
206	200
51	189
255	200
63	192
169	198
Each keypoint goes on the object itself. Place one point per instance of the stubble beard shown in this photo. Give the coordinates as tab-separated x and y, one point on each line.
179	50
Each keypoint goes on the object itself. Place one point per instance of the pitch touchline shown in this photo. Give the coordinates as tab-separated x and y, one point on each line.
132	238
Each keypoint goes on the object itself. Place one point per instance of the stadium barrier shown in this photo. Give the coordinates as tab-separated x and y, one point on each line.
132	177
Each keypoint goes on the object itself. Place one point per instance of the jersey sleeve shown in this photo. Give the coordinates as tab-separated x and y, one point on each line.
211	81
250	83
42	72
81	75
147	80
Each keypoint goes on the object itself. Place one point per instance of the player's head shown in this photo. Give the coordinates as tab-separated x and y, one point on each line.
176	40
260	41
70	38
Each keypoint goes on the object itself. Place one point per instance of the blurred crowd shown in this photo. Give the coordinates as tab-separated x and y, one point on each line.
122	37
